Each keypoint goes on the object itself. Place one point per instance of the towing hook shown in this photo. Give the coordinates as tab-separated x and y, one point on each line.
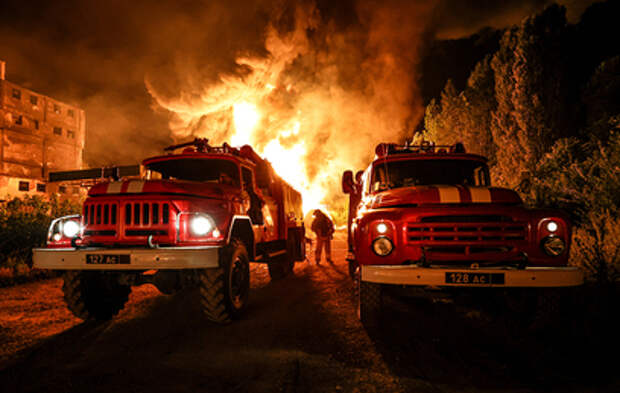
149	241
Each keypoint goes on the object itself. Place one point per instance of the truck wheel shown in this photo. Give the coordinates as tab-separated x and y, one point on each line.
92	295
369	304
224	291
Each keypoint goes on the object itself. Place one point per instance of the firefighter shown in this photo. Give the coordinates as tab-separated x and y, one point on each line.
323	227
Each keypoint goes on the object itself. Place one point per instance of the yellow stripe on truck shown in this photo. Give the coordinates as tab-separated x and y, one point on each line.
480	194
449	195
115	187
135	186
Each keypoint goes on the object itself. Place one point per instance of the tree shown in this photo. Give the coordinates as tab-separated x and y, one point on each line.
530	82
465	116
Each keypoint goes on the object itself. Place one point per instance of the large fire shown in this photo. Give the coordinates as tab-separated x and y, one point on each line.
288	161
309	111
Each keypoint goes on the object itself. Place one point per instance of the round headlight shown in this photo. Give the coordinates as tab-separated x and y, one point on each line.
382	228
200	225
552	226
70	228
553	245
382	246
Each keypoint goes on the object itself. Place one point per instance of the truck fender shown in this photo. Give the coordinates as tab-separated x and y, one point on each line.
241	228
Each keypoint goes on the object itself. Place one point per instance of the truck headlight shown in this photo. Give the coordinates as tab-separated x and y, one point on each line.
70	228
67	227
382	246
553	245
201	224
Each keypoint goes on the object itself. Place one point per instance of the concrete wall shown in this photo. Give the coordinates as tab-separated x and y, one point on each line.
38	134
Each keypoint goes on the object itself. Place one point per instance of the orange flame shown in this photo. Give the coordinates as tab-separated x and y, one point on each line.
296	113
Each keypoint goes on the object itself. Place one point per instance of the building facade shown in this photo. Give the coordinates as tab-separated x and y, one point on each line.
38	135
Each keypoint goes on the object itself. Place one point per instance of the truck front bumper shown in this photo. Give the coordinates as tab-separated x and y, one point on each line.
442	277
126	259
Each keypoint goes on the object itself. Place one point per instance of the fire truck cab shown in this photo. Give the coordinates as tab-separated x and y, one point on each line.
426	217
191	219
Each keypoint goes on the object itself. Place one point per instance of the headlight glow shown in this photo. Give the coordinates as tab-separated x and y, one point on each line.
70	228
553	246
382	228
552	226
201	224
382	246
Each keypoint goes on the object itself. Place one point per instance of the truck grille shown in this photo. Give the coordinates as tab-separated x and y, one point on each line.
145	213
126	218
461	230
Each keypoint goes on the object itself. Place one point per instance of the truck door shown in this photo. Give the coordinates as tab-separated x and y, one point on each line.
256	204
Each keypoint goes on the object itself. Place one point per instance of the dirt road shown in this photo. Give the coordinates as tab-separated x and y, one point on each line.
300	334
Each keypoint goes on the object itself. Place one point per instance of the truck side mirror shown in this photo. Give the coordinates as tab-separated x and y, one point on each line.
347	182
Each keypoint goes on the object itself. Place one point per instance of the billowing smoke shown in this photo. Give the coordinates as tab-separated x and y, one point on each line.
319	98
322	80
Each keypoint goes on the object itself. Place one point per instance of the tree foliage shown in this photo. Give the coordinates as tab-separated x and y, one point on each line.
465	116
24	223
550	125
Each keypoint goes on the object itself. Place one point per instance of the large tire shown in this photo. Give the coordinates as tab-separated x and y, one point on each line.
369	304
224	291
94	295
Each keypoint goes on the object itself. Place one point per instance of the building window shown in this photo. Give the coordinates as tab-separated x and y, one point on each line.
57	130
24	186
70	113
19	120
17	94
40	187
36	124
70	134
34	100
57	108
76	190
62	189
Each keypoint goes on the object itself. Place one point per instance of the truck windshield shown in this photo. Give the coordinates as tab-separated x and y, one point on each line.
428	172
205	170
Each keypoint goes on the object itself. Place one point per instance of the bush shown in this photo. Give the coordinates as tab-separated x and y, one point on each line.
23	226
596	247
584	179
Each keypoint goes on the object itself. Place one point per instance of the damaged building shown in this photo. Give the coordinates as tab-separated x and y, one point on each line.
39	134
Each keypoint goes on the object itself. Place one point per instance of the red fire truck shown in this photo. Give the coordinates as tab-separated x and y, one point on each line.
190	219
426	217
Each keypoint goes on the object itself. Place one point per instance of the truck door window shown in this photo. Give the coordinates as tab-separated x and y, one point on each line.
255	211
